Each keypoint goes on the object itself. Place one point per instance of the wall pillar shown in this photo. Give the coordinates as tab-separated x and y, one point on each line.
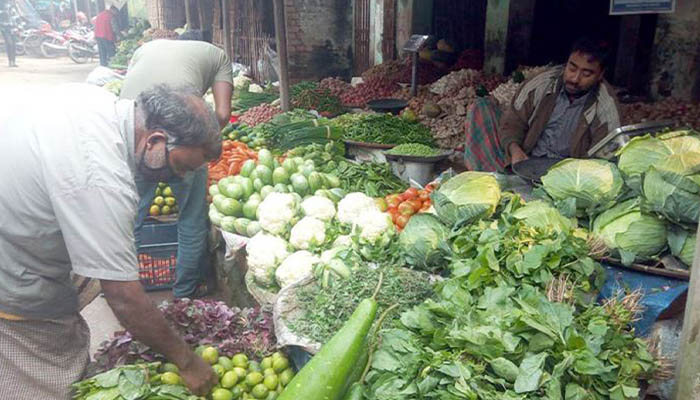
675	65
496	37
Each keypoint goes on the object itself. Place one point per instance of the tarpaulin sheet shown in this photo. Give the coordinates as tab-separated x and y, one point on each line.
659	292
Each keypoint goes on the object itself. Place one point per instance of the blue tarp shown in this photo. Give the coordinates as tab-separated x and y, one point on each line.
659	292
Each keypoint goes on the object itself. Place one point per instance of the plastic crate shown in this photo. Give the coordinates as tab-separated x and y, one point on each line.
157	255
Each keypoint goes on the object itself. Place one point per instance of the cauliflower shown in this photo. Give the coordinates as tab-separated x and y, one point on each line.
319	207
241	81
265	253
253	88
353	206
343	241
276	212
372	225
295	267
307	233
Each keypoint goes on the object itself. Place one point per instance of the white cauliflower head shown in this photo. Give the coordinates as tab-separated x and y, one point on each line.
307	233
295	267
343	241
353	206
319	207
276	212
372	225
265	253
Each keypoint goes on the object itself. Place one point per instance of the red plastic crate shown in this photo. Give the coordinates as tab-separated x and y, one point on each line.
157	266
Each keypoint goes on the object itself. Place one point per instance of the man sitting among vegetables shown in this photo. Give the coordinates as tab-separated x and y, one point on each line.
68	206
562	112
200	65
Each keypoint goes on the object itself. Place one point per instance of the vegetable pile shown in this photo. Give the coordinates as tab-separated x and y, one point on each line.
649	202
415	150
383	129
233	156
319	99
164	202
403	206
239	377
374	179
199	322
259	114
236	199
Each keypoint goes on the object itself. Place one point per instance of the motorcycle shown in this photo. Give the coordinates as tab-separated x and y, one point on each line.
54	44
82	46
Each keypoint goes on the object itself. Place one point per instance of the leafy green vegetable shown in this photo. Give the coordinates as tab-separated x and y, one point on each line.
588	184
539	214
466	197
327	309
424	242
631	232
373	179
682	244
674	196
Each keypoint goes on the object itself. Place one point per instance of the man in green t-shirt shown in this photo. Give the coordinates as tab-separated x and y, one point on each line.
198	65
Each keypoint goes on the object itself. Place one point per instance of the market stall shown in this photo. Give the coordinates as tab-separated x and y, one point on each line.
373	269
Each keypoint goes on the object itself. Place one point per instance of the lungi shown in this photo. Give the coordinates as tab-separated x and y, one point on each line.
39	360
482	149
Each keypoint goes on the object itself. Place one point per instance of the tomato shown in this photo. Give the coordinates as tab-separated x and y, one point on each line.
426	205
411	193
393	200
406	208
430	187
402	220
415	204
423	195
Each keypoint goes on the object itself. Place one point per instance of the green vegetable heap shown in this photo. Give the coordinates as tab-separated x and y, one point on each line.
415	150
383	129
327	309
515	319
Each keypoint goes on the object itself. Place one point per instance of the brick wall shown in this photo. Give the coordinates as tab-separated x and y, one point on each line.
319	38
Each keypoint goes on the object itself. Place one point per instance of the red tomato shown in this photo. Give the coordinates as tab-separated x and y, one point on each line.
424	195
426	205
415	204
411	193
402	220
381	203
393	201
406	208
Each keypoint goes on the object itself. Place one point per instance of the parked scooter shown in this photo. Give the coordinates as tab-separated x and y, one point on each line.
54	44
82	46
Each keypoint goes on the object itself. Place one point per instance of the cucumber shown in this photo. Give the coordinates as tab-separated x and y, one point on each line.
325	377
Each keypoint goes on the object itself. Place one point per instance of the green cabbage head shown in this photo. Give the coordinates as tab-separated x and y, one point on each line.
540	214
635	158
672	195
682	244
424	242
590	183
631	233
467	197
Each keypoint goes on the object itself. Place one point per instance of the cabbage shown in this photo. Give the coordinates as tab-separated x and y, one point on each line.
629	232
672	195
589	184
539	214
423	242
466	197
640	153
682	244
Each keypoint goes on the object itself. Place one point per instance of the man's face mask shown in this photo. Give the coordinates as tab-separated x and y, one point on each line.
154	163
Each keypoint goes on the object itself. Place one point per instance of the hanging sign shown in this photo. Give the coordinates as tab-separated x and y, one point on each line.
621	7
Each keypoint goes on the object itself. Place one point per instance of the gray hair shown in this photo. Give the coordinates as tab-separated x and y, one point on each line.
183	116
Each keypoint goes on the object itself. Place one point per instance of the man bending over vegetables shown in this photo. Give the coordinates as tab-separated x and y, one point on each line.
68	206
202	66
561	112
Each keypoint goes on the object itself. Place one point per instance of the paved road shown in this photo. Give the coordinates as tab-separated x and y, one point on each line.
35	74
